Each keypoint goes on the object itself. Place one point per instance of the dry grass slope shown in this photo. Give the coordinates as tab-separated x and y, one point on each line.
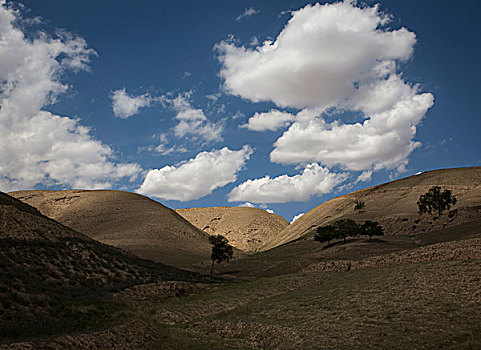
246	228
125	220
55	280
394	205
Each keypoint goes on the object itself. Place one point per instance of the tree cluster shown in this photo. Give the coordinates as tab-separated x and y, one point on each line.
436	201
344	228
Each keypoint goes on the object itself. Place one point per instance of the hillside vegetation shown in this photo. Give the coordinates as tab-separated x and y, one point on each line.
393	205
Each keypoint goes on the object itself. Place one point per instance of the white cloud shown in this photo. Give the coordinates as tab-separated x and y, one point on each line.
196	177
272	120
250	205
125	105
248	12
317	58
36	146
296	217
383	141
314	180
193	121
247	205
162	148
365	176
332	56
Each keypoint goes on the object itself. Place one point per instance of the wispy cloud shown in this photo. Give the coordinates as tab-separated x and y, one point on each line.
192	121
248	12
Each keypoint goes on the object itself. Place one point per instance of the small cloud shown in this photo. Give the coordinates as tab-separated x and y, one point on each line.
364	177
272	121
214	97
163	147
192	121
296	217
270	211
125	105
238	115
247	205
247	13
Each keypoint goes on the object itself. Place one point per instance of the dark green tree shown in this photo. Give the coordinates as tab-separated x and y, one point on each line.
221	250
324	234
371	228
344	228
436	201
360	205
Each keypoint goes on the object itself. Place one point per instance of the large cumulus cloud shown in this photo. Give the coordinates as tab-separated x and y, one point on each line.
36	146
338	59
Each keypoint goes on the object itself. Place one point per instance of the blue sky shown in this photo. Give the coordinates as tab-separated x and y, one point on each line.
186	102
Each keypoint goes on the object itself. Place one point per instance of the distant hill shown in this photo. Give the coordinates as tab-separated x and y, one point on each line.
54	279
394	206
125	220
246	228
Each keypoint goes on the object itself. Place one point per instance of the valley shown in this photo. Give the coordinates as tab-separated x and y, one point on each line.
410	288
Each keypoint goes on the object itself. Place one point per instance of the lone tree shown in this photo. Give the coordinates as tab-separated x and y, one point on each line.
360	205
221	250
324	234
371	228
435	200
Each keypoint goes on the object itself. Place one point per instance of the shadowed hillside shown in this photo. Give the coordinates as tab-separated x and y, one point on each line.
55	280
245	228
394	206
125	220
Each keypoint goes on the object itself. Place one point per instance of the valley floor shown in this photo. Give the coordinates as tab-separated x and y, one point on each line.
417	294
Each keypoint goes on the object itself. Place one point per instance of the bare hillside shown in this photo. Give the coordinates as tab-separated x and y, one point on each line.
125	220
54	279
245	228
394	205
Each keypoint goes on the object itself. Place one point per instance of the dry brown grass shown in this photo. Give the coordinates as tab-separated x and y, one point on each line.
125	220
55	280
245	228
394	206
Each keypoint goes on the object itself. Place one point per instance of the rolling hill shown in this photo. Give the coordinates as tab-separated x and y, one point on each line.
394	206
125	220
246	228
55	280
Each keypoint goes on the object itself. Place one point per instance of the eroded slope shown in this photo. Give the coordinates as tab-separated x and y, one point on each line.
246	228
